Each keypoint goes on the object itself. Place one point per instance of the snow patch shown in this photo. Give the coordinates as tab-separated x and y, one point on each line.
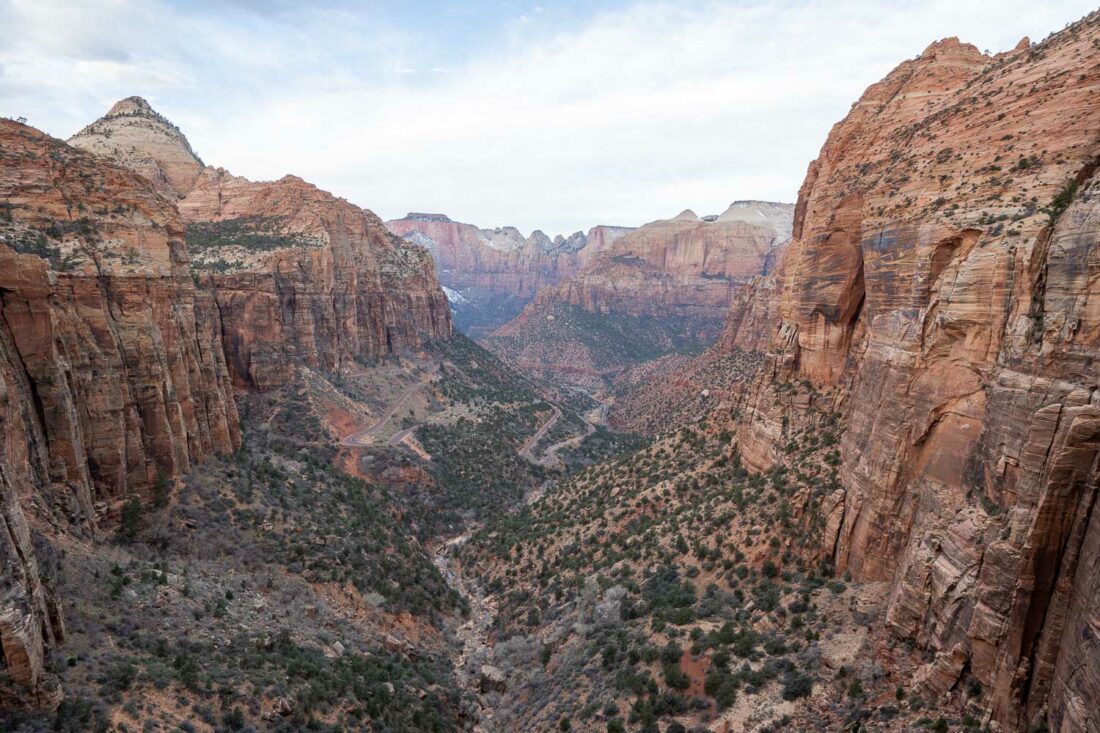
454	297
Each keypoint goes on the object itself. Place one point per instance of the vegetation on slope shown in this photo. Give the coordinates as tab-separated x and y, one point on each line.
671	585
271	591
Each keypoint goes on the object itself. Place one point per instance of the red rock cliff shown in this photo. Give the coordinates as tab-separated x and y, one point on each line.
501	260
299	276
110	369
684	267
941	290
302	277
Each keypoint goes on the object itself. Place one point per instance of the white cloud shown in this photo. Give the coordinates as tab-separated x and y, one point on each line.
623	117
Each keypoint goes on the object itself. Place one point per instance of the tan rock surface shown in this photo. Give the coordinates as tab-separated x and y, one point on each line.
940	290
136	137
110	369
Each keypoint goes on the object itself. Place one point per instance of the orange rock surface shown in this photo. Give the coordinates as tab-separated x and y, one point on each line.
941	290
502	260
111	369
347	289
684	267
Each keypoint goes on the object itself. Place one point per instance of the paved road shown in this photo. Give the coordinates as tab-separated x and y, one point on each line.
525	449
550	455
363	437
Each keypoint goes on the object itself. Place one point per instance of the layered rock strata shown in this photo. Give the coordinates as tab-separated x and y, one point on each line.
683	267
304	278
299	276
144	141
111	367
501	260
941	291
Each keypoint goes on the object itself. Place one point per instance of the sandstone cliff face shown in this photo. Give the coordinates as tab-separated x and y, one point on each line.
136	137
662	288
110	366
941	290
298	276
501	260
685	267
304	278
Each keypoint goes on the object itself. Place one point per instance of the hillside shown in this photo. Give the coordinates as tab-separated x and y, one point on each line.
662	288
494	273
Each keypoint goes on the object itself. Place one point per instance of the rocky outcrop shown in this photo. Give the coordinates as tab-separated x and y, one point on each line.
751	317
684	267
662	288
304	278
501	260
111	369
940	291
136	137
297	275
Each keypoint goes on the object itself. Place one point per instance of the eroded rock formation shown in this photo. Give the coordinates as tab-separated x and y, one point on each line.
143	141
111	369
304	278
940	291
299	276
662	288
501	260
683	267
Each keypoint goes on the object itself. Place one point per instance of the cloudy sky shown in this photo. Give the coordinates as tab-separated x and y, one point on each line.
551	115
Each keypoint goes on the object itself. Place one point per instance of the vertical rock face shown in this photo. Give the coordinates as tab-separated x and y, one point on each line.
302	277
941	290
662	288
298	276
685	267
110	371
501	260
491	274
138	138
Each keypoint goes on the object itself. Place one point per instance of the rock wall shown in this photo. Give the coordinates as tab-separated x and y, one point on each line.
110	367
335	286
501	260
297	275
685	267
941	290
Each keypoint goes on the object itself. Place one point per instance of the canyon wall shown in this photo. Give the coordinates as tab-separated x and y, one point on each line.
941	290
663	288
126	325
489	275
304	278
299	276
111	367
684	267
501	260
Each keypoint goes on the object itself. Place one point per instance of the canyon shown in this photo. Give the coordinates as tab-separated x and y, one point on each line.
122	354
496	272
937	294
662	288
825	466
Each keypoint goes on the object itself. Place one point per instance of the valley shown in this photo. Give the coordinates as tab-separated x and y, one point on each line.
271	463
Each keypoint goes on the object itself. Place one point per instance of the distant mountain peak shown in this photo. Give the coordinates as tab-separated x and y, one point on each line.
132	106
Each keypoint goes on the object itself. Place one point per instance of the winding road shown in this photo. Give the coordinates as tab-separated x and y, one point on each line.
530	443
363	437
